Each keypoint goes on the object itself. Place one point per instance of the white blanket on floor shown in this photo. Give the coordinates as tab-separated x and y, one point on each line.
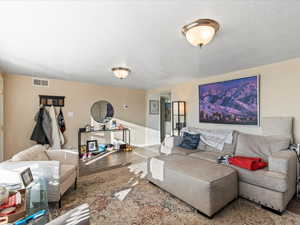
157	169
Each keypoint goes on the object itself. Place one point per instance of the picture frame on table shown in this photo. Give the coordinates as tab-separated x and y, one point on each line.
83	149
153	107
26	177
92	145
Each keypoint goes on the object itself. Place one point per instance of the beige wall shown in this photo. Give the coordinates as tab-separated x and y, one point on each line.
1	118
280	94
21	102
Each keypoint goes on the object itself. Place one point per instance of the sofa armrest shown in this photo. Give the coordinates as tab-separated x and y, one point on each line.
283	162
66	157
169	143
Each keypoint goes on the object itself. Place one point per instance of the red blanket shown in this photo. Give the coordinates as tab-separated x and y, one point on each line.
249	163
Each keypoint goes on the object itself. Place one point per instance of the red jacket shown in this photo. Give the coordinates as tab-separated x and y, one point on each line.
249	163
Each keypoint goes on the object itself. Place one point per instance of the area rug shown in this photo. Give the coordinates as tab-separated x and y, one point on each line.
123	196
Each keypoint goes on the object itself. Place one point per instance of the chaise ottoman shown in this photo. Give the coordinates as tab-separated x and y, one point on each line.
204	185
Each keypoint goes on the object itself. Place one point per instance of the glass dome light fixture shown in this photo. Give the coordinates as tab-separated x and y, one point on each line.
201	31
121	72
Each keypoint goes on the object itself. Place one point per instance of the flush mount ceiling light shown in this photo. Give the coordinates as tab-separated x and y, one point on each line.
200	32
121	72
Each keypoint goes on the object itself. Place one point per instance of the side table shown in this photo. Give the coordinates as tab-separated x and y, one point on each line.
36	200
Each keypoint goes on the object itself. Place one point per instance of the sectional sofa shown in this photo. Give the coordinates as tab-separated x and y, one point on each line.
196	177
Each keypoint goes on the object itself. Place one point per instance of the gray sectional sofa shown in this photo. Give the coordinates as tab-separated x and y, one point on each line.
195	176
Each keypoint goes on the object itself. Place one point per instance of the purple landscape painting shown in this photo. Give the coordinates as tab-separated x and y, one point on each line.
230	102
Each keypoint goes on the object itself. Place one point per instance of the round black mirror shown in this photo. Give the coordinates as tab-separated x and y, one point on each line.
102	111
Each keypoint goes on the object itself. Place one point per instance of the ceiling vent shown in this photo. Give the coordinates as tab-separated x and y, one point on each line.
37	82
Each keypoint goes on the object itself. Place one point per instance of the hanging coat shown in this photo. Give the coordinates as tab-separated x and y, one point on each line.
38	133
46	124
61	121
56	134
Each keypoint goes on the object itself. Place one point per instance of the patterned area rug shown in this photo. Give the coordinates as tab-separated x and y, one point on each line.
123	197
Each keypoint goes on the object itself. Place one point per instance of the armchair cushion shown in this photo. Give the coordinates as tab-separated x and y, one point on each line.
34	153
65	157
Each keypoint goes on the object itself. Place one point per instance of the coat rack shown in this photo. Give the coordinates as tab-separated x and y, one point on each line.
48	100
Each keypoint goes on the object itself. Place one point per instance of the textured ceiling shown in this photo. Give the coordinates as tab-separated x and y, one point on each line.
82	40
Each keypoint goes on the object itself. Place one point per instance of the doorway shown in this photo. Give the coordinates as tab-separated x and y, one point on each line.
165	116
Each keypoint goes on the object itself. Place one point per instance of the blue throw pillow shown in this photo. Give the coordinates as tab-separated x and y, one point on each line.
190	141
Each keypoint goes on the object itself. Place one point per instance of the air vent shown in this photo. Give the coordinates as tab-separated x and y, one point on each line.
36	82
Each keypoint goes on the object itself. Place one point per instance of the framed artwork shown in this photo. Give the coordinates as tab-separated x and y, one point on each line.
168	111
153	107
230	102
26	177
92	145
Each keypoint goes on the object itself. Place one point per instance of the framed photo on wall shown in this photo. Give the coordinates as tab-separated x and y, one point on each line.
230	102
168	111
153	107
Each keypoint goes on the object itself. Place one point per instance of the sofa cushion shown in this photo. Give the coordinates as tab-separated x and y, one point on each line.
228	148
206	155
66	171
282	126
190	141
183	151
263	178
203	170
260	146
34	153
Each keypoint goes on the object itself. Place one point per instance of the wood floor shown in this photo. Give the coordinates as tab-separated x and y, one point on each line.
117	159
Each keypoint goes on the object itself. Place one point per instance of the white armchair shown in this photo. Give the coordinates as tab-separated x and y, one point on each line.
60	167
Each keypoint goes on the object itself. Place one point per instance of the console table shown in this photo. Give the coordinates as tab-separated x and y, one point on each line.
125	135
